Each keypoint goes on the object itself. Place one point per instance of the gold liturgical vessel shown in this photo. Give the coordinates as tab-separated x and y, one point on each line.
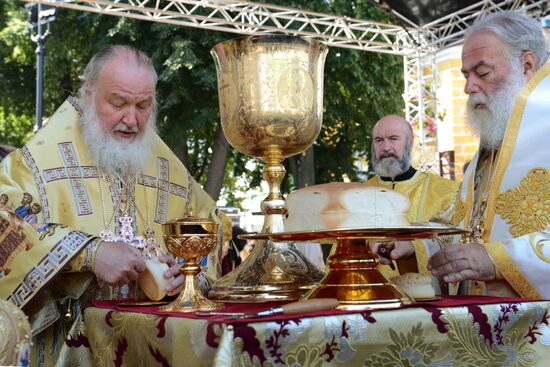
353	278
271	107
190	238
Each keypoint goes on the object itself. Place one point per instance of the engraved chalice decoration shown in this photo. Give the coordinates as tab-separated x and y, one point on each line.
271	107
190	238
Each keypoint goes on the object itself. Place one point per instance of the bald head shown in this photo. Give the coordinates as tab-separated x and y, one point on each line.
392	139
395	121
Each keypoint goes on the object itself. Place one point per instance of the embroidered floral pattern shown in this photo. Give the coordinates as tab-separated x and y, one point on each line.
306	357
407	349
527	207
125	341
502	334
472	347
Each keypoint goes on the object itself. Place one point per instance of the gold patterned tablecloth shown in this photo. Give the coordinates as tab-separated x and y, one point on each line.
498	334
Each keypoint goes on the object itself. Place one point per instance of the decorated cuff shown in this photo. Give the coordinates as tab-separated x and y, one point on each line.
91	251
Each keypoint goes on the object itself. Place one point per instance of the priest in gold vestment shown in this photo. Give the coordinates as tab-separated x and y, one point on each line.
429	194
505	195
94	179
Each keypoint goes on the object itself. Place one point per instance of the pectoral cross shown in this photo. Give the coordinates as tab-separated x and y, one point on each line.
127	233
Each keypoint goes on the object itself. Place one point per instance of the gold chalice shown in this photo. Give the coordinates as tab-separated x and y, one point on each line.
271	107
190	238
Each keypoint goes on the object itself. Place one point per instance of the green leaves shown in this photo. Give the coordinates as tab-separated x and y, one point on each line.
360	87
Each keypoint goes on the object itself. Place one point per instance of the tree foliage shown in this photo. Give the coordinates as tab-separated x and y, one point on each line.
360	87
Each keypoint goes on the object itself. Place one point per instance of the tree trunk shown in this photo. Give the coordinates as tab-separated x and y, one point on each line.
216	170
180	149
302	168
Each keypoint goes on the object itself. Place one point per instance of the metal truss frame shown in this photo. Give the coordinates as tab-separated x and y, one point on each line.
420	68
417	45
245	17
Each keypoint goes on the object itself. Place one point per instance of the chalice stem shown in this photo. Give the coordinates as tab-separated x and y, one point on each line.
190	298
273	206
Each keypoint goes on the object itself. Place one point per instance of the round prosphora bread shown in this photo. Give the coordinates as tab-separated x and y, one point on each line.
152	280
343	205
415	285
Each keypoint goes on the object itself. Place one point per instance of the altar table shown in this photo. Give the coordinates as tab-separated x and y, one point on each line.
454	331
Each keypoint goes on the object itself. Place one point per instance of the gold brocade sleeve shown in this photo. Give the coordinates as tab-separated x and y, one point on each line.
32	252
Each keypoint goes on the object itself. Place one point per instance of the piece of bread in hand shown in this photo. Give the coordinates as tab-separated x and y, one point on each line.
152	280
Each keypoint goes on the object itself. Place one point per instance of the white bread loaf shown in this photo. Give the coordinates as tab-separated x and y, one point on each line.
152	280
340	205
415	285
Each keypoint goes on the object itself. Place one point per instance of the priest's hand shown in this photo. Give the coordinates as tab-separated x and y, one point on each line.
116	263
394	250
468	261
175	287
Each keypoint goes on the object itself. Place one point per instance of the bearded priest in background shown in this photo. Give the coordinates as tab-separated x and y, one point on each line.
505	195
429	194
97	173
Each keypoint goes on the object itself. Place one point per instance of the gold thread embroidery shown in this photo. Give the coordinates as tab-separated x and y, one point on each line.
538	248
527	207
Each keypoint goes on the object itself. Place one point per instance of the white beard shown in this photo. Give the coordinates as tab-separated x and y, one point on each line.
490	123
392	167
112	155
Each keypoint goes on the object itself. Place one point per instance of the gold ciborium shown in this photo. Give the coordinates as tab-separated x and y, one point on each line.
190	238
271	107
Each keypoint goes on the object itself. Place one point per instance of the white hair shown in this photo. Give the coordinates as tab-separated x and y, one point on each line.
519	33
98	61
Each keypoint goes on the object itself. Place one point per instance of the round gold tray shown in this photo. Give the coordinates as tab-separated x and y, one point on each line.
413	231
353	277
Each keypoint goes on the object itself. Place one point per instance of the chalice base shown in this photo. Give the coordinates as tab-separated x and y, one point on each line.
191	299
274	271
353	279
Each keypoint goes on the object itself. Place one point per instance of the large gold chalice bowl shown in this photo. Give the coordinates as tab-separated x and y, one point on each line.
190	238
271	107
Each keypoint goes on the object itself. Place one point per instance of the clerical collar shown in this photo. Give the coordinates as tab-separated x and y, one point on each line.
402	177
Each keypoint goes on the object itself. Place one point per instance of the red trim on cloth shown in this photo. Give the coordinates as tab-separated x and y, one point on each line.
445	301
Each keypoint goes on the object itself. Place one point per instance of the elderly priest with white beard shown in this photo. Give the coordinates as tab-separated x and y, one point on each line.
505	195
96	173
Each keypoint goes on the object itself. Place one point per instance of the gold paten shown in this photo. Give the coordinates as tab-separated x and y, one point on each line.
271	107
190	238
353	278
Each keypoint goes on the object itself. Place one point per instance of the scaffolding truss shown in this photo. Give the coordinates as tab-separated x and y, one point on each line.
244	17
416	44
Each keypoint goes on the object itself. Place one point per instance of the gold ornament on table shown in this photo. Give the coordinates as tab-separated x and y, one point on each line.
190	238
271	107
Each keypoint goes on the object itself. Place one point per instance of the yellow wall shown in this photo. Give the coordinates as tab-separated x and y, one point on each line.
453	132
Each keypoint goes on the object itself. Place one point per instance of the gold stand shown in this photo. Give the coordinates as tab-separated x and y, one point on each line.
191	298
353	279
